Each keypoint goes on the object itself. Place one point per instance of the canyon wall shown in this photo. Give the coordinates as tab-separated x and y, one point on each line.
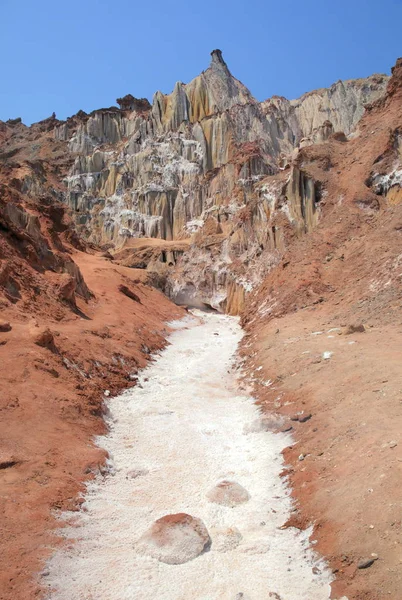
207	163
210	164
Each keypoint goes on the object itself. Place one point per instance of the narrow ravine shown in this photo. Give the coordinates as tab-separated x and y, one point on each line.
187	441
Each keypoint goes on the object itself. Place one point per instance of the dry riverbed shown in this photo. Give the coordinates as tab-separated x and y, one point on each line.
193	503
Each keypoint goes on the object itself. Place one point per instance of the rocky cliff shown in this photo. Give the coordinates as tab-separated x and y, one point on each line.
207	163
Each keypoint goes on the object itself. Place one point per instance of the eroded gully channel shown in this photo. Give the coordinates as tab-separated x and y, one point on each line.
187	441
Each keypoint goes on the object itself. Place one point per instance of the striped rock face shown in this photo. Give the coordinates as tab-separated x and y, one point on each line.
209	151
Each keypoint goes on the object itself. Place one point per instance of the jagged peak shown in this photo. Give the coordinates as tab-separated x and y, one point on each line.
217	59
129	102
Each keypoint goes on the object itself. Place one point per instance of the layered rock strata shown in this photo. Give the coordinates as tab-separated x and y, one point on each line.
210	164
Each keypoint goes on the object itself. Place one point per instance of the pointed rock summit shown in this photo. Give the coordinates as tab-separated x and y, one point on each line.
213	91
217	59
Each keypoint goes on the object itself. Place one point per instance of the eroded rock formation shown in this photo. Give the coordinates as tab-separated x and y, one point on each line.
206	155
207	164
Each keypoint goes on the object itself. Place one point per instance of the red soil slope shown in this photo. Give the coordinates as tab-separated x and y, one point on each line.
72	325
51	396
346	463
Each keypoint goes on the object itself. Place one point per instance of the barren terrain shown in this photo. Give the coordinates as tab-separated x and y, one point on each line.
51	406
269	210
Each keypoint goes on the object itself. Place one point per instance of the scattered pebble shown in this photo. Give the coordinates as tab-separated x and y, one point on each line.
393	444
327	355
301	417
357	328
365	563
5	326
106	393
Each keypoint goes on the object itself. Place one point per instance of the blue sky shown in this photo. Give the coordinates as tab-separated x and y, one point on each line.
83	54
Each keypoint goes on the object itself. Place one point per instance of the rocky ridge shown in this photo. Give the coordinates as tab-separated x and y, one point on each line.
209	164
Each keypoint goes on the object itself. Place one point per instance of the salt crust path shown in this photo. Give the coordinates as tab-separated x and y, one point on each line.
185	431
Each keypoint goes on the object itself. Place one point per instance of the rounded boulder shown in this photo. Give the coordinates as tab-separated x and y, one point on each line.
175	539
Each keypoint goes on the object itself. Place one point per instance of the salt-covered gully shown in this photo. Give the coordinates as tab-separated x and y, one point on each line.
187	442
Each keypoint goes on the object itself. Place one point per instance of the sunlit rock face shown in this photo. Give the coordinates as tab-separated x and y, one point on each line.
206	153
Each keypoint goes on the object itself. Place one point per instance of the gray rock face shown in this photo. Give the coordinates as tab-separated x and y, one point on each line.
201	153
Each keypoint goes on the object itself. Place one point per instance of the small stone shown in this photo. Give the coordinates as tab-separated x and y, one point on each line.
304	417
393	444
106	393
45	339
5	326
129	293
134	473
302	457
357	328
228	493
366	563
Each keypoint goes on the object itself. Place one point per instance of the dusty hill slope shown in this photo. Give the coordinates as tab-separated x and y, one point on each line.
325	327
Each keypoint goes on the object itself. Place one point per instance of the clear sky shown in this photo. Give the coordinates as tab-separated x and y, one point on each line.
68	55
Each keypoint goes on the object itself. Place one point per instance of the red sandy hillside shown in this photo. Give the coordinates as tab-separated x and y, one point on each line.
325	325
